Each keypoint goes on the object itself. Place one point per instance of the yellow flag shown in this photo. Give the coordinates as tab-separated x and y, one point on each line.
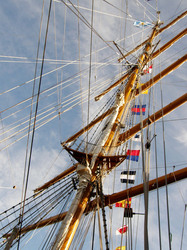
121	248
125	203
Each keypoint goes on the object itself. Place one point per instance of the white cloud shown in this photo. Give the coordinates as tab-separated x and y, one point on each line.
182	136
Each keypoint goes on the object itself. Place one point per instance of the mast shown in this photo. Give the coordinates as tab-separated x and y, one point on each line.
78	206
71	221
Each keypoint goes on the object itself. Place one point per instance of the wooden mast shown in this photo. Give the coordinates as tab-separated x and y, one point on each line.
71	221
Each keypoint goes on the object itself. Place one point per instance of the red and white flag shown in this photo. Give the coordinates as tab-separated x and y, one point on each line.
121	230
147	69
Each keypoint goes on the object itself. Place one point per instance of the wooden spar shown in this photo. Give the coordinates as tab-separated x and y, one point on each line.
42	223
153	118
90	125
56	179
173	22
160	75
169	44
154	55
111	87
113	198
138	190
158	32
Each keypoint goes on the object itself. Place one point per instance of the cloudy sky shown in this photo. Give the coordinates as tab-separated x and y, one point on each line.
64	89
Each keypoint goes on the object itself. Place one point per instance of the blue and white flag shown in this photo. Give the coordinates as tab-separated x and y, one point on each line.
141	24
132	155
137	137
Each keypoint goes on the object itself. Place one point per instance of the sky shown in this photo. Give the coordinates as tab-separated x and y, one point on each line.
68	53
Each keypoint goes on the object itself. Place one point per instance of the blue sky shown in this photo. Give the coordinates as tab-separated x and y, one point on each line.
19	30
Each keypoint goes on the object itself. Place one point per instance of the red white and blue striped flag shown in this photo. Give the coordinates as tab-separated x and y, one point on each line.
133	155
138	109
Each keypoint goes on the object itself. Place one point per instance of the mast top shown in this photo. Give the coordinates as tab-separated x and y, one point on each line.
159	22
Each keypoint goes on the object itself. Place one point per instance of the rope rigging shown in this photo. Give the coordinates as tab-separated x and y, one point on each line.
46	202
44	205
158	196
55	116
100	192
27	171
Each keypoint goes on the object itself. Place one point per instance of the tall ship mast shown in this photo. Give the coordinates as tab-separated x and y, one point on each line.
115	98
